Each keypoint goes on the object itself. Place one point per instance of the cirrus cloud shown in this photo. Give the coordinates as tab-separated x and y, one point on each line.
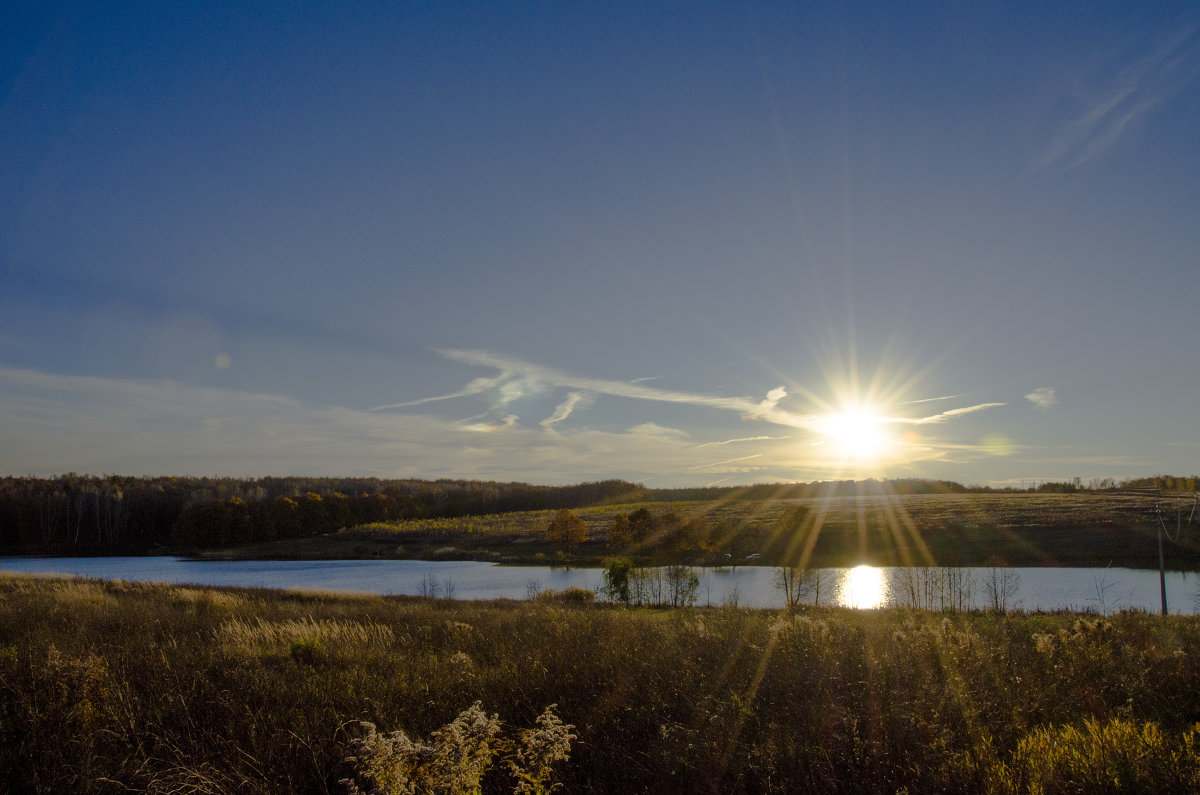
1043	397
61	423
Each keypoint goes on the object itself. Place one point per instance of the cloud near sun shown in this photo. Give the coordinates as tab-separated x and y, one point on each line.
861	435
518	378
60	423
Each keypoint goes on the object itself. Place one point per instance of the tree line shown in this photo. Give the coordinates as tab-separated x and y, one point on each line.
1190	483
87	514
82	514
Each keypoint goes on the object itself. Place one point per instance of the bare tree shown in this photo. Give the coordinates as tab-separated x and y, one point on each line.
796	584
1000	586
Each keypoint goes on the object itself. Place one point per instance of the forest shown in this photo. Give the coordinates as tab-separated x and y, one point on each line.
76	514
83	514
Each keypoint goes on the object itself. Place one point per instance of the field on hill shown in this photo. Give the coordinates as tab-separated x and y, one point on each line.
971	529
115	686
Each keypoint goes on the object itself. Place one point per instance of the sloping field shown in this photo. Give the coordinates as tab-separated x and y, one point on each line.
944	529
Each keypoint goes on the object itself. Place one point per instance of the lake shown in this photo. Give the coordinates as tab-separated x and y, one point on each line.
1099	590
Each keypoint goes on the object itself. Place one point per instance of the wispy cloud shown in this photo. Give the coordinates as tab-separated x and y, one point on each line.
529	376
1043	397
653	429
564	409
947	415
514	389
716	464
476	387
931	400
743	439
59	423
1120	97
772	399
766	409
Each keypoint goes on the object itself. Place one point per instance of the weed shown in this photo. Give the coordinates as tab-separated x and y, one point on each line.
457	756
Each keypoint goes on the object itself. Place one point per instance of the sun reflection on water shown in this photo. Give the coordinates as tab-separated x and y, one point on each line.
863	587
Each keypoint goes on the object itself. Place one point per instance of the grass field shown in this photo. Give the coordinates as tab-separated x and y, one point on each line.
118	687
1019	529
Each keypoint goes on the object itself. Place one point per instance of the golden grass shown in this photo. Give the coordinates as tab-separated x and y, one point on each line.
129	687
257	635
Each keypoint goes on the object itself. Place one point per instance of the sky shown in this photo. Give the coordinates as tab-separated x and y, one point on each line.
675	243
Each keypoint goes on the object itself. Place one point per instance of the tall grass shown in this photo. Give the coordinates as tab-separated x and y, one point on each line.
116	686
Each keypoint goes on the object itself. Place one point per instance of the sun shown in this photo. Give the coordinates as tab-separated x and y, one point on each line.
858	434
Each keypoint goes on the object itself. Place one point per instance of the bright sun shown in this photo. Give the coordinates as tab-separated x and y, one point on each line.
859	434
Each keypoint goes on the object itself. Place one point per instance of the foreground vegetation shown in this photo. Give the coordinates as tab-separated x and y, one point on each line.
116	686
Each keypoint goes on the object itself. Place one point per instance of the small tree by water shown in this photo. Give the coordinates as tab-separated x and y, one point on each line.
933	588
682	585
797	584
1000	586
651	586
616	579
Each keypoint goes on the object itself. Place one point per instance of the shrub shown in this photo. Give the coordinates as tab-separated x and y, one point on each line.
571	596
457	756
533	761
454	759
1112	756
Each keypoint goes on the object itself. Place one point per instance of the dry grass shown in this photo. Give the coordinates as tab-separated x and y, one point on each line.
256	636
119	686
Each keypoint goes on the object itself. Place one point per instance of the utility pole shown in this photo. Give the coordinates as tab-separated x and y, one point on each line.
1162	571
1162	574
1162	528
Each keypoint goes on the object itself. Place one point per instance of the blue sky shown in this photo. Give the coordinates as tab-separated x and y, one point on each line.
676	243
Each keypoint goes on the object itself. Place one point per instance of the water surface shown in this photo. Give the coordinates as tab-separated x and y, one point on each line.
1100	590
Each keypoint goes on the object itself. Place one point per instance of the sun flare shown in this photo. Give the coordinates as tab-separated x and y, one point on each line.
858	434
